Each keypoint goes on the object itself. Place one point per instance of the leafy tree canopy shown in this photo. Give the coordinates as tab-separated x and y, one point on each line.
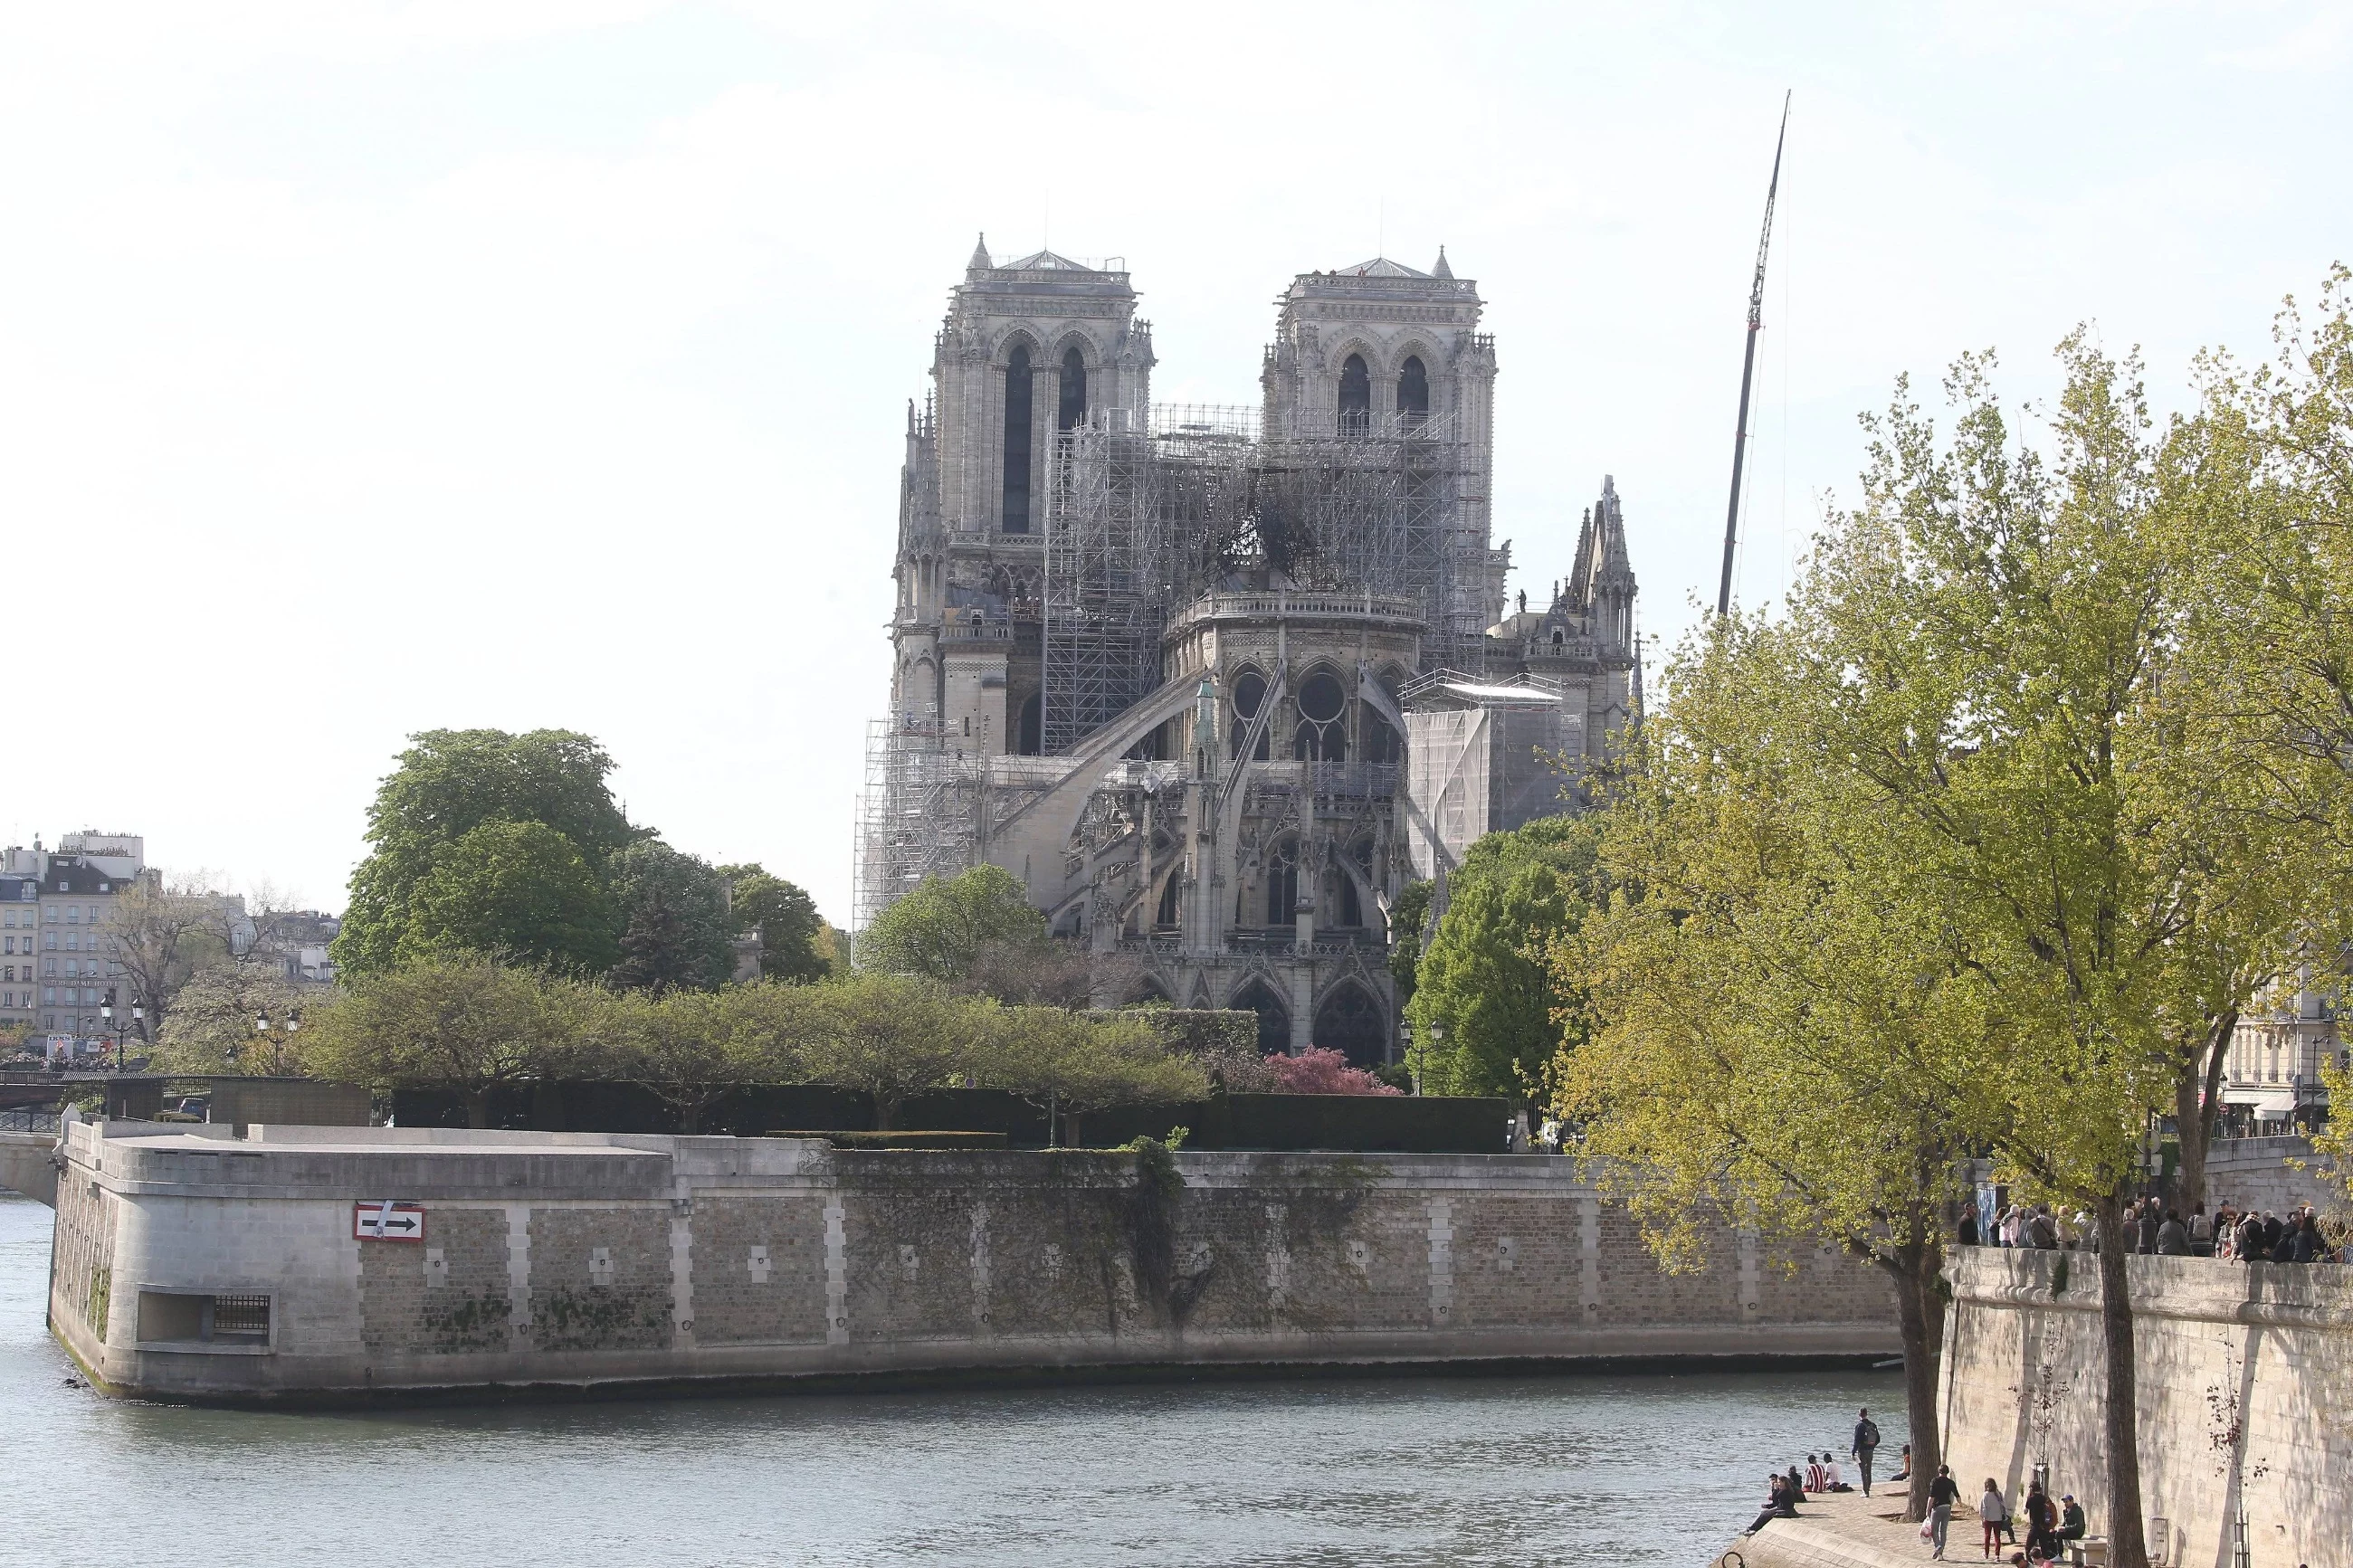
1488	1009
940	929
676	929
520	889
450	783
796	944
459	1022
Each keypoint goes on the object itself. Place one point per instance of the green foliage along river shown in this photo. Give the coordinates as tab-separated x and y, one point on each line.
1419	1471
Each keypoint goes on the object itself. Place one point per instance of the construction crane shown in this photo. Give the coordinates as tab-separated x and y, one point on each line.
1748	368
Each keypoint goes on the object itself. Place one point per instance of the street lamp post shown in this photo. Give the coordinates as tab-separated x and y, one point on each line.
110	1017
286	1027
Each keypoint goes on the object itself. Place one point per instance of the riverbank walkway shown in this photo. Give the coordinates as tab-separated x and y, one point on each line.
1845	1530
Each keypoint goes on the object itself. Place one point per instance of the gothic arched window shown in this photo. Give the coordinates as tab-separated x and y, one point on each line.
1352	1022
1031	740
1075	391
1413	391
1169	900
1250	691
1322	736
1017	442
1274	1017
1355	396
1282	884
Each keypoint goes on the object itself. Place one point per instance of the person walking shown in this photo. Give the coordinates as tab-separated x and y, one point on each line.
2202	1233
1992	1514
1943	1493
1867	1442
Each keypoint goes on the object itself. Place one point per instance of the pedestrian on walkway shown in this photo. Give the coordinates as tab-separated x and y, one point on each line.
1993	1513
1866	1441
1943	1493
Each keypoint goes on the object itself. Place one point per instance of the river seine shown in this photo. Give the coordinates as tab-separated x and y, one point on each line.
1421	1471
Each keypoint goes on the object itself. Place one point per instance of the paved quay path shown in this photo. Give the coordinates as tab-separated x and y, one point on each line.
1847	1529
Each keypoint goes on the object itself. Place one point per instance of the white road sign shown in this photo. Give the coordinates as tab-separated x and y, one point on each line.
389	1221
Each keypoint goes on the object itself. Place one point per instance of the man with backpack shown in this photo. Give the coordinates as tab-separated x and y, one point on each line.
1866	1439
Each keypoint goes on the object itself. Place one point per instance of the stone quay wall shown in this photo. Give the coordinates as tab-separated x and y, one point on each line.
190	1264
2245	1396
2274	1173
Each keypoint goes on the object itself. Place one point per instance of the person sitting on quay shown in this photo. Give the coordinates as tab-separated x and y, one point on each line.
2071	1517
2173	1237
1903	1466
1815	1481
1780	1503
1832	1480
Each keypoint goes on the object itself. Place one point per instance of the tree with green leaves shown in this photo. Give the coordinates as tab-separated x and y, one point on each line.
690	1048
947	927
450	783
677	933
892	1037
794	943
1760	1005
520	889
211	1025
1071	1063
460	1023
1488	1009
1406	915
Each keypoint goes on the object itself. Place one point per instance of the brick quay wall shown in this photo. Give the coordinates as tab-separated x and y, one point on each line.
190	1264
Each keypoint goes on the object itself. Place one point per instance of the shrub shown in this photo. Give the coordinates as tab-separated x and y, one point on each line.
1318	1070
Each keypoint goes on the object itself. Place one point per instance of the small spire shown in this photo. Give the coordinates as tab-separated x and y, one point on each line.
979	262
1441	269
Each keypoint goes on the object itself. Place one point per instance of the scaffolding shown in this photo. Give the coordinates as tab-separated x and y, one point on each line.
1139	523
919	815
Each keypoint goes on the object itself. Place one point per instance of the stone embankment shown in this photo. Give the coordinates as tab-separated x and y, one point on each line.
191	1264
2245	1396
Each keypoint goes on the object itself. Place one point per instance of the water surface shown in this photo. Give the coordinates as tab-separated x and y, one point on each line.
1406	1471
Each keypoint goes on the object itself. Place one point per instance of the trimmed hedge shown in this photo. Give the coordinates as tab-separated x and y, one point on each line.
902	1140
1371	1124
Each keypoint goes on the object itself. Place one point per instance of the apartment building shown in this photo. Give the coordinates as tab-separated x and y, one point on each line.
55	970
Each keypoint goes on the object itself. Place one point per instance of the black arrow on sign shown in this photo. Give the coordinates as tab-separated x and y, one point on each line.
405	1222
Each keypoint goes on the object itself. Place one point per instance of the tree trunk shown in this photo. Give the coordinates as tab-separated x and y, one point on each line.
1920	1326
886	1114
2198	1108
478	1109
2127	1546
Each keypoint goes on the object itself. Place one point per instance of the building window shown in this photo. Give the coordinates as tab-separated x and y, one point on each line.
1250	691
1073	411
1031	741
1282	884
1413	391
1168	903
1321	737
1017	442
1355	396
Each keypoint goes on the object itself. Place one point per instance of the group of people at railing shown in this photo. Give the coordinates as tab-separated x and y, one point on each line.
2230	1233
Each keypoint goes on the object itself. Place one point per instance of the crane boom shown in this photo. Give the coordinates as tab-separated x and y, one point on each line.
1748	368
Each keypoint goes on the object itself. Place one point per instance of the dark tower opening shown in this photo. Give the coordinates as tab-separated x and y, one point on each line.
1017	442
1355	396
1413	391
1073	411
1031	740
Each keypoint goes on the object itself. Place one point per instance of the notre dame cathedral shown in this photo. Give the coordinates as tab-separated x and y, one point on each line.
1216	683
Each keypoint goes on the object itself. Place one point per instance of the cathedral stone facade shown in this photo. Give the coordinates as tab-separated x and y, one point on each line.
1166	665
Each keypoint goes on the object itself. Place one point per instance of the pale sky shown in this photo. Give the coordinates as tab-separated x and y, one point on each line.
366	369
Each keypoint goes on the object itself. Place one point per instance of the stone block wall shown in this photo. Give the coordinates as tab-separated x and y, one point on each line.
583	1259
2245	1392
